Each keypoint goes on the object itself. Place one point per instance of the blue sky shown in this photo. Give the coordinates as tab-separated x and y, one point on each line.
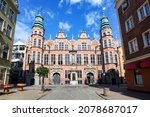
70	15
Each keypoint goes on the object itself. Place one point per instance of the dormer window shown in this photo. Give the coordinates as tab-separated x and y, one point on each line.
125	5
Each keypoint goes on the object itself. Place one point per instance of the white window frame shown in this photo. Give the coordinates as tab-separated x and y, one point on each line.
130	26
145	14
144	39
135	47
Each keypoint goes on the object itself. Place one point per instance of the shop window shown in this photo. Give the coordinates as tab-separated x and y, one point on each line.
138	77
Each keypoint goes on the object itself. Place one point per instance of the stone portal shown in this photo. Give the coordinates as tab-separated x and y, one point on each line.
73	78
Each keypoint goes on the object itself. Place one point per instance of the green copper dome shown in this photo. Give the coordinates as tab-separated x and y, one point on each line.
105	23
39	21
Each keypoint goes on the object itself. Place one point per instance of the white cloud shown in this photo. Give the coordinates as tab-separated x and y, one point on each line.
22	31
96	36
65	26
50	14
29	15
95	2
74	1
91	18
69	11
60	3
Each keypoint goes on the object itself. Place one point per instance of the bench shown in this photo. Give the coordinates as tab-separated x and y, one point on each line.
21	86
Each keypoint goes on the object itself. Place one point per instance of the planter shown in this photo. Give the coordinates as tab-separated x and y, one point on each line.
20	87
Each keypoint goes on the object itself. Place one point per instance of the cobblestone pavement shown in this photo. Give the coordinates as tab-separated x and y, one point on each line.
82	92
72	93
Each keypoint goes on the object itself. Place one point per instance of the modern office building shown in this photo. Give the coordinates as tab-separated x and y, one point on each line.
134	20
70	61
8	14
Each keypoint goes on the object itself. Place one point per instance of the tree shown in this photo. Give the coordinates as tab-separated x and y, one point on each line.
43	72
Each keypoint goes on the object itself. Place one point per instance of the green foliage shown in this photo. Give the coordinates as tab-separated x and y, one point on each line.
42	71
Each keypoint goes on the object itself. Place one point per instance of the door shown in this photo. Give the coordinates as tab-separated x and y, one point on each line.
56	78
90	78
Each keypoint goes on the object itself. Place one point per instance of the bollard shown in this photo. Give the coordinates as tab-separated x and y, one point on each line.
106	91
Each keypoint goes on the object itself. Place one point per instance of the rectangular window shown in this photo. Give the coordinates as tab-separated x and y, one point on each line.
79	47
85	59
133	46
61	46
46	59
3	5
38	57
105	43
33	56
67	81
125	5
60	59
67	59
8	31
110	43
144	11
146	38
89	47
78	59
5	52
34	43
106	58
138	77
111	57
79	73
83	46
53	59
93	59
66	47
11	15
129	24
39	43
56	47
99	59
67	74
1	24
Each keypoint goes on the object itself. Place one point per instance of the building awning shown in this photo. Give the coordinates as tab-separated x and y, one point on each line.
145	64
131	66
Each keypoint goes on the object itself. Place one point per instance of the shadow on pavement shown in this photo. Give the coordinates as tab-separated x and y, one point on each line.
122	90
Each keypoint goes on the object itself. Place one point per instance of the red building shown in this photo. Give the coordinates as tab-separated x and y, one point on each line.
134	20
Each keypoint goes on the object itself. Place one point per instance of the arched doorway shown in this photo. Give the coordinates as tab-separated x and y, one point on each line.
90	78
56	78
112	74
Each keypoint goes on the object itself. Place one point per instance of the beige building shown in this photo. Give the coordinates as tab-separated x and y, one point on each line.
8	14
70	61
